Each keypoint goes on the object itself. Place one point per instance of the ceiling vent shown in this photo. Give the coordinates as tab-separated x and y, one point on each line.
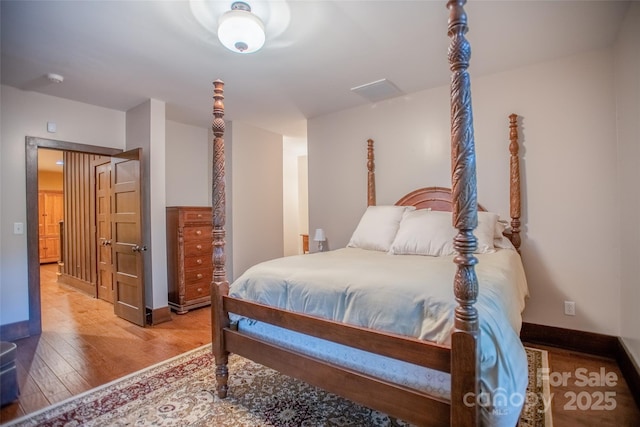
377	91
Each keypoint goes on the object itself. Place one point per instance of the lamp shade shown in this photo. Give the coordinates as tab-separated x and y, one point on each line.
319	236
241	31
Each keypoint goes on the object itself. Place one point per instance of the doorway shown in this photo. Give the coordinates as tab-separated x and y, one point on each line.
130	296
50	205
74	194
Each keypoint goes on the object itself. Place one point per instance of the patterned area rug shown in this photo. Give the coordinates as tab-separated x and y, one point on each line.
180	392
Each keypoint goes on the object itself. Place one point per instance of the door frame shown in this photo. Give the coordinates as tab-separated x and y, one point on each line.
33	264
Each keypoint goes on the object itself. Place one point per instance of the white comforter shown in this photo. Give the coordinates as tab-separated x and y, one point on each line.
406	294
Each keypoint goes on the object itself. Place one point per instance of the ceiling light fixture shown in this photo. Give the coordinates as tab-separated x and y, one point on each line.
241	31
55	78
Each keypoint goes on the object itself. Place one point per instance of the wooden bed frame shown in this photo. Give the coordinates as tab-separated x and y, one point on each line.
461	359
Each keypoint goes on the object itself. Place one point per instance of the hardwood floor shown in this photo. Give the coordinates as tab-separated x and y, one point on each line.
84	345
589	391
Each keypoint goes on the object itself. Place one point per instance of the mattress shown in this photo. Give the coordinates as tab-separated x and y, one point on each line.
410	295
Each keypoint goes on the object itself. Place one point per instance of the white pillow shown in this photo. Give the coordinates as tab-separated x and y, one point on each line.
486	231
431	233
378	227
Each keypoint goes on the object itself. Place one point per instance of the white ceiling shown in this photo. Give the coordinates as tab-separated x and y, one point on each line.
117	54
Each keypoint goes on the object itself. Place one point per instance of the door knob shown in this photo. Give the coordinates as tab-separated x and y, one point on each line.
137	248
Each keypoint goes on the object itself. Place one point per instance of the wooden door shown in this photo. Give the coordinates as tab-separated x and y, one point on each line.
103	230
50	213
127	244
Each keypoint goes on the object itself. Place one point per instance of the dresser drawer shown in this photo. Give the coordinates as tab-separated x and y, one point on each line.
193	262
196	275
194	232
197	215
198	283
199	289
198	248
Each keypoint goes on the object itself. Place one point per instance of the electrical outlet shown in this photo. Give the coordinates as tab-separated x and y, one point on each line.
569	308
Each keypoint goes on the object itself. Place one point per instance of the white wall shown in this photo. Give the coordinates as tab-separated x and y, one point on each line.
187	166
146	129
26	114
256	196
627	79
569	174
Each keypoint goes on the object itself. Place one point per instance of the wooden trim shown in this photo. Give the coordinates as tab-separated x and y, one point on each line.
83	286
159	315
33	265
15	331
589	343
55	144
33	258
568	339
629	368
80	246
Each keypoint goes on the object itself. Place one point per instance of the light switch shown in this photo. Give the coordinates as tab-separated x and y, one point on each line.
51	127
18	228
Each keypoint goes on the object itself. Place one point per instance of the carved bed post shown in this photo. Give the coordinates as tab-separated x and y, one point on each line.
371	175
220	284
514	189
465	339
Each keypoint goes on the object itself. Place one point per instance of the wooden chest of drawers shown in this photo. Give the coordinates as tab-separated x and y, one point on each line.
189	250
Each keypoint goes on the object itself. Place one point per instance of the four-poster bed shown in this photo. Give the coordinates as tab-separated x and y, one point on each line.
448	345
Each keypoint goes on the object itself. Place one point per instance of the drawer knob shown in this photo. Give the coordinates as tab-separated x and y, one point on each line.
198	261
199	290
199	247
199	232
199	276
199	215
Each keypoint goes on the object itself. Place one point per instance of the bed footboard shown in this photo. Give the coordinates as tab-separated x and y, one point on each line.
393	399
372	392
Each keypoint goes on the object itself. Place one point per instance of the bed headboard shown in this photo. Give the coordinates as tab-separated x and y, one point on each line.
440	198
434	198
